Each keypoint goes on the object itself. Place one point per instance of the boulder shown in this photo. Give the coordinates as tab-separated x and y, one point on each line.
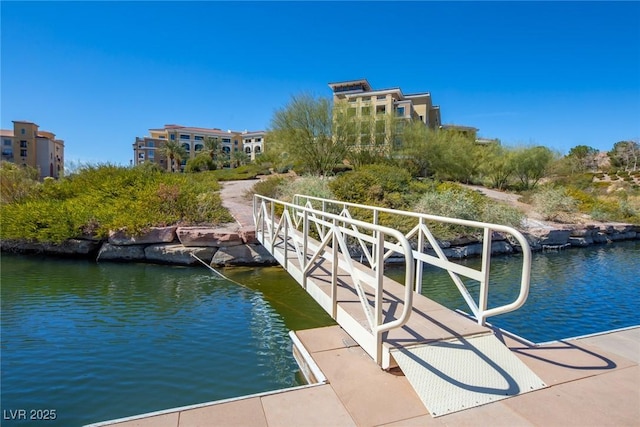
178	254
70	247
109	252
209	237
242	255
154	235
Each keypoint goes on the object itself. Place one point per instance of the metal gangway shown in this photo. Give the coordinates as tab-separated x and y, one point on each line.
340	258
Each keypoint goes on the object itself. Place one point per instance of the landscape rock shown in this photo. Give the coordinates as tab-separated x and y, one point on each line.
207	236
178	254
154	235
109	252
242	255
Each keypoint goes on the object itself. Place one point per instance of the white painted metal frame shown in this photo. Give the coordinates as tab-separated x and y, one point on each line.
288	236
421	231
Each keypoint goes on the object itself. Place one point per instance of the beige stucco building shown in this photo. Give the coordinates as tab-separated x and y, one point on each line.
27	145
368	101
192	139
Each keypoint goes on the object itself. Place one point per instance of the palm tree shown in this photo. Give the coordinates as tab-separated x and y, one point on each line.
239	158
213	146
175	152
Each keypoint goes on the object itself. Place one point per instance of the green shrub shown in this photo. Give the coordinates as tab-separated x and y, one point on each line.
552	202
269	187
97	199
308	185
378	185
454	201
16	182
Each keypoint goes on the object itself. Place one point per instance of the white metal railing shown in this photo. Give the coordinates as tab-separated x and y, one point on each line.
423	234
298	236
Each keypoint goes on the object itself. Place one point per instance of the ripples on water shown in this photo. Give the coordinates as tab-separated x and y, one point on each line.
573	292
102	341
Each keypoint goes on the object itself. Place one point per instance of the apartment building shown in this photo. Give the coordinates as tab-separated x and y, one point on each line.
373	109
27	145
192	139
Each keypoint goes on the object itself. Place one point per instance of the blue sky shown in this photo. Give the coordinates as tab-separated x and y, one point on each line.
98	74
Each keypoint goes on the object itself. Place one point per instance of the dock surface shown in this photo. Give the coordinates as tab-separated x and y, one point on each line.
592	381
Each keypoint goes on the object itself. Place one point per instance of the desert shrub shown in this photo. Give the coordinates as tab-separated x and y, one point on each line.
454	201
200	163
554	202
16	182
378	185
269	187
308	185
97	199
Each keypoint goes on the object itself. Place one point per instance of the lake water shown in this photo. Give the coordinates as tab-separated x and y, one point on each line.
102	341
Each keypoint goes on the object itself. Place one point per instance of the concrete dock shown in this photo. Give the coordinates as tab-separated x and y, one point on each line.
592	381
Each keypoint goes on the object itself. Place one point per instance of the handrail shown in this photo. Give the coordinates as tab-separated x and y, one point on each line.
292	231
480	309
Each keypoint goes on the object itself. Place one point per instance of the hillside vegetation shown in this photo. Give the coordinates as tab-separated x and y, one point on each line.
97	199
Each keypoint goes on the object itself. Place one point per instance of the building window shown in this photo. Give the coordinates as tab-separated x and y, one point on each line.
151	154
162	137
381	97
172	137
7	142
400	111
366	98
257	149
365	111
198	147
247	150
141	155
184	136
23	144
23	153
381	109
247	141
150	144
226	140
235	142
258	139
186	147
199	138
22	131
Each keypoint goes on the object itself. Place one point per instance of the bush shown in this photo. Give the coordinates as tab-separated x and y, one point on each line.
378	185
553	202
16	182
454	201
101	198
269	187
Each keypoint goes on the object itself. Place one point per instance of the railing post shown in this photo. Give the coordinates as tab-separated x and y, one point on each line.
419	263
379	293
305	239
334	271
484	283
273	226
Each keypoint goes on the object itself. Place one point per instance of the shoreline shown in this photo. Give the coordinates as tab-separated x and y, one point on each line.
231	245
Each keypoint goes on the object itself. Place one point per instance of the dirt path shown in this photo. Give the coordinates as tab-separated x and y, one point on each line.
234	198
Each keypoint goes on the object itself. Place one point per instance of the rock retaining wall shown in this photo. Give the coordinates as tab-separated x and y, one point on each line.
230	246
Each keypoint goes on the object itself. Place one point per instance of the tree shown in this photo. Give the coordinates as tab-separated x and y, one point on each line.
239	158
625	154
202	162
582	158
213	147
305	130
497	165
174	152
531	164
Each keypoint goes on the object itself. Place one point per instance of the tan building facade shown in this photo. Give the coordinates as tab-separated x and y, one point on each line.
27	145
368	101
192	139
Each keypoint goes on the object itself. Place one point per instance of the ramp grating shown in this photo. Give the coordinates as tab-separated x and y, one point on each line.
451	376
